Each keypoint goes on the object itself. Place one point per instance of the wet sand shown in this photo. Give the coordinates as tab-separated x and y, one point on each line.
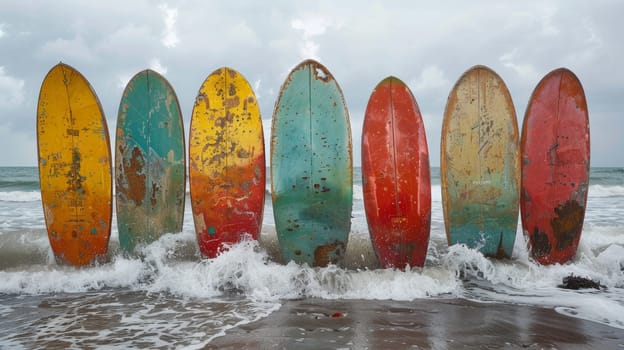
420	324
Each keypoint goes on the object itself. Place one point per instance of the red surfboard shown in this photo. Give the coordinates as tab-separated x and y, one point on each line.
395	176
555	167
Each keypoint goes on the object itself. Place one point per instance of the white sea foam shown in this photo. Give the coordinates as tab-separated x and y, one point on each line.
521	281
244	269
247	269
55	279
602	191
358	192
20	196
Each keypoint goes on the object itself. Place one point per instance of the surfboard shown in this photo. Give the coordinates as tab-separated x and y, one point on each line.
150	161
555	167
395	176
74	167
227	164
311	167
480	164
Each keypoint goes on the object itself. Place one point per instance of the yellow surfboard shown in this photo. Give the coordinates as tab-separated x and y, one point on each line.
74	167
226	162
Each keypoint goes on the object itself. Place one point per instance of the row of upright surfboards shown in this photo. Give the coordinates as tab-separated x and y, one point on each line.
487	169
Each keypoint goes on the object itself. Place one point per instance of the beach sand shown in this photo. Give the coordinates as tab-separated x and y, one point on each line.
420	324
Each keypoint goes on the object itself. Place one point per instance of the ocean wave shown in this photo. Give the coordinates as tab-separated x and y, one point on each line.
173	264
32	184
604	191
245	269
253	270
595	191
20	196
358	192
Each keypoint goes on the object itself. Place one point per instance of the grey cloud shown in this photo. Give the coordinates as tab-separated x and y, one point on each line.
361	44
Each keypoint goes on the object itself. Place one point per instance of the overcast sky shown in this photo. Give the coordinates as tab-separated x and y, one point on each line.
426	44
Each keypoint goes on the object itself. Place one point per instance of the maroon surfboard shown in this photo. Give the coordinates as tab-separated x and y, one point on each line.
395	176
555	167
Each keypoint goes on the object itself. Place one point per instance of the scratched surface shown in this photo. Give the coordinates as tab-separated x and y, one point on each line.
311	167
74	167
227	162
150	165
480	164
395	176
555	167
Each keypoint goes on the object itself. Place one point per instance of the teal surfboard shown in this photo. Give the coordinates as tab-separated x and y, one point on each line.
311	167
150	165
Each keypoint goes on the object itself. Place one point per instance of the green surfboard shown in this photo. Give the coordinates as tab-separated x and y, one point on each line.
311	167
150	165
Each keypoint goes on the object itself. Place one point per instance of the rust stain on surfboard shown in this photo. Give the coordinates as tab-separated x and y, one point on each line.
133	172
565	225
328	254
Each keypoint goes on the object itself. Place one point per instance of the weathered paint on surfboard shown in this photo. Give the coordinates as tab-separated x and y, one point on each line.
74	167
311	167
395	176
227	163
480	164
555	167
150	161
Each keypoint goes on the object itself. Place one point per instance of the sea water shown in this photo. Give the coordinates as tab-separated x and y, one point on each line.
170	296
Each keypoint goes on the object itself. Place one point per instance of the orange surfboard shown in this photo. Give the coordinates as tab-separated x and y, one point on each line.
227	165
74	167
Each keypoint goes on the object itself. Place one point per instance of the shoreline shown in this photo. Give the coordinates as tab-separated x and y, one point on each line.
420	324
